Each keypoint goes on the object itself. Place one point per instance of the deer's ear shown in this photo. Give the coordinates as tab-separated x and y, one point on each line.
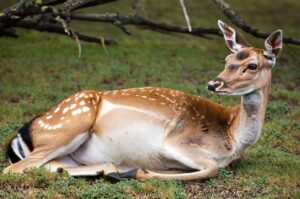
273	44
233	39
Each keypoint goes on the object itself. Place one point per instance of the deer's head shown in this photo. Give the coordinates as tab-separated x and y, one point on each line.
247	68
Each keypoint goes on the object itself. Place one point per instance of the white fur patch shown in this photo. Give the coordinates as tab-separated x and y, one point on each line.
250	126
23	145
14	145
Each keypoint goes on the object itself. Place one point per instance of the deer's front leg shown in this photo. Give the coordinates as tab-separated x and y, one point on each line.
107	170
92	170
205	166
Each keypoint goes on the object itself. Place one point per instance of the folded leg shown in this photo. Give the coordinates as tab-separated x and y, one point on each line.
205	166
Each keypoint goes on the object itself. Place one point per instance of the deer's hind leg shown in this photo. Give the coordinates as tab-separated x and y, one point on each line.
48	151
60	131
202	166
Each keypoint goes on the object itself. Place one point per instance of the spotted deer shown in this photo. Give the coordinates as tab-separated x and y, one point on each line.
154	132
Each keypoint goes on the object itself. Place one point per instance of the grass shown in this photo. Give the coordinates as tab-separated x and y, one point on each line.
39	70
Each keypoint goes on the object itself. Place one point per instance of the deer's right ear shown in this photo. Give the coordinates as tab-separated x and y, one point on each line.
273	44
233	39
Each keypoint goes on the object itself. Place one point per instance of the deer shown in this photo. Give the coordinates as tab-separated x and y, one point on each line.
153	132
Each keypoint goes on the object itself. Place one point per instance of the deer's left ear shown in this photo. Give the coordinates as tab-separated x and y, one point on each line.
273	45
233	39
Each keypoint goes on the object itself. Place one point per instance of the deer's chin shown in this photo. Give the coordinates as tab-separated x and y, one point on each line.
243	91
221	93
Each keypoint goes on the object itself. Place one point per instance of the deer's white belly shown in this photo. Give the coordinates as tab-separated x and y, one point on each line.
127	137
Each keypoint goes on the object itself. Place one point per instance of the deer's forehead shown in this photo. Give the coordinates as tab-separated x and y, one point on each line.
243	56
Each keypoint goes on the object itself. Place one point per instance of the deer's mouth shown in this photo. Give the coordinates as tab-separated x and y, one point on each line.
227	91
222	92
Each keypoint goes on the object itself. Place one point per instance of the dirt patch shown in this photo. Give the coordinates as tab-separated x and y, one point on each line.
204	190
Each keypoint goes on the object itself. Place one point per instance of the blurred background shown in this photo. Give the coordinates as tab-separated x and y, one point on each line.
39	69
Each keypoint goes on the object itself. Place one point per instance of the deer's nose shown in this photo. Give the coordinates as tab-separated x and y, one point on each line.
214	84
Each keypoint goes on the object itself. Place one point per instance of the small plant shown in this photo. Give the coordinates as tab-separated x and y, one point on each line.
211	182
225	174
262	152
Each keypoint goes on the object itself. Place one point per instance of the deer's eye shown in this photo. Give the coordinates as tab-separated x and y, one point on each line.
252	66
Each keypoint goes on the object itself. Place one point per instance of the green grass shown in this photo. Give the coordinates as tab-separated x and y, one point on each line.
39	70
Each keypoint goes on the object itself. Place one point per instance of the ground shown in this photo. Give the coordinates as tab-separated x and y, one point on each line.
39	70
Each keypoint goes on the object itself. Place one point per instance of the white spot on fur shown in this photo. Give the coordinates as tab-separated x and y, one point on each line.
85	109
73	106
57	126
65	110
49	117
68	99
82	103
57	109
76	112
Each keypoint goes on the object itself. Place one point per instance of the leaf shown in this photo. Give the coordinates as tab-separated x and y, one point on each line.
38	2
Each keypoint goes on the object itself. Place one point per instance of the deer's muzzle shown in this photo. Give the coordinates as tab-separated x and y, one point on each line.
215	84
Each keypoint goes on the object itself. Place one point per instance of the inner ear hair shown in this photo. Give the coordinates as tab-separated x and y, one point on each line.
233	39
240	39
273	44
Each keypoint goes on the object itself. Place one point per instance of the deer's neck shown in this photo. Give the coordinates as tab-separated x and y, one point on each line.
251	118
